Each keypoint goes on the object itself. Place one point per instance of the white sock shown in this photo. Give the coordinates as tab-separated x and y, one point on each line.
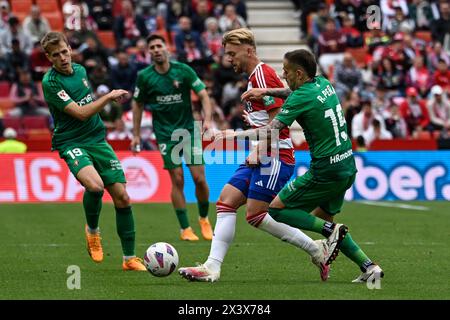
223	236
289	234
126	258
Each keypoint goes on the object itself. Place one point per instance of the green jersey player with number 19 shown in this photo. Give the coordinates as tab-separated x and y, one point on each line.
311	201
79	137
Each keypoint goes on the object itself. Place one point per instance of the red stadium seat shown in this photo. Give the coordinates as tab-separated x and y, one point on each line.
107	38
48	5
35	122
55	19
13	122
4	89
21	6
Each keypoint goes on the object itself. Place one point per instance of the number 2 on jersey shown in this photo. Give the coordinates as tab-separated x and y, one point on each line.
329	113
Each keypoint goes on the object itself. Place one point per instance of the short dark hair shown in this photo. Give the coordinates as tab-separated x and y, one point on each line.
152	37
304	59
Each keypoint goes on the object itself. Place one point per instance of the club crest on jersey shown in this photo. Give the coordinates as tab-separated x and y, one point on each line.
86	84
63	95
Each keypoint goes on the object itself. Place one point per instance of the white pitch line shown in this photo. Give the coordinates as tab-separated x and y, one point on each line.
394	205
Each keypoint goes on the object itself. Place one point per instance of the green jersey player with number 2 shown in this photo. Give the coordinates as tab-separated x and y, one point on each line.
79	137
311	201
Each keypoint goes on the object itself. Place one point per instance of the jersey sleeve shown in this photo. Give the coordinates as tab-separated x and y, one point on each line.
55	94
194	81
139	91
290	111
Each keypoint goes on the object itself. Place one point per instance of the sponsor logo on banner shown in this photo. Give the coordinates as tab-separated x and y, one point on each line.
142	178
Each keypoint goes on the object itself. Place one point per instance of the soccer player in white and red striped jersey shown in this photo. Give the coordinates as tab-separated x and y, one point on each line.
257	182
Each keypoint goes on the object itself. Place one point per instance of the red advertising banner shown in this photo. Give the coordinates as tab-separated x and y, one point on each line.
40	177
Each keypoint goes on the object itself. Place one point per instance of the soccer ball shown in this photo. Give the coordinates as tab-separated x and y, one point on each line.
161	259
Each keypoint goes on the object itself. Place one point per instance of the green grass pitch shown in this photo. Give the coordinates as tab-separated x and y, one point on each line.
40	241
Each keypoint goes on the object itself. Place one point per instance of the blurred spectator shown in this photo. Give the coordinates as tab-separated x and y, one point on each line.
123	76
441	27
35	25
361	144
147	135
74	11
85	31
112	110
347	77
94	54
415	112
195	57
439	109
99	76
420	12
441	76
27	97
151	19
235	117
332	45
200	15
307	8
394	121
362	14
14	31
362	123
4	67
353	35
120	132
388	10
319	20
376	38
17	60
5	14
419	77
230	19
351	105
213	38
376	132
175	10
343	9
129	27
185	29
11	145
396	53
101	12
436	55
222	75
38	62
388	77
241	8
141	56
399	23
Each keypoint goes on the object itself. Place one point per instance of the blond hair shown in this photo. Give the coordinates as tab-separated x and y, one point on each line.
238	37
52	39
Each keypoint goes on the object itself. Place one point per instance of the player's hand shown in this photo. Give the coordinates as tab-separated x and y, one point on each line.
253	94
247	119
117	95
136	145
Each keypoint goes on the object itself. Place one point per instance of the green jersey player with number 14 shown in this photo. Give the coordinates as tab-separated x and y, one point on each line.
311	201
79	137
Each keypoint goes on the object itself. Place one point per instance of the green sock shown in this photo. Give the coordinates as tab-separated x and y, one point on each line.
125	230
92	203
354	253
182	218
303	220
203	208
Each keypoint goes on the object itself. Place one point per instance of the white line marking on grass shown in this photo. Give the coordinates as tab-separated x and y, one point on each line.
394	205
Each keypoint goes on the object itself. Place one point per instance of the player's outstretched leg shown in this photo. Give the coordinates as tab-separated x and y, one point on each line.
223	236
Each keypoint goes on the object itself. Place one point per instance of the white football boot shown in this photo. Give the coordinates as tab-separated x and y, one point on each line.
373	272
320	258
334	242
199	273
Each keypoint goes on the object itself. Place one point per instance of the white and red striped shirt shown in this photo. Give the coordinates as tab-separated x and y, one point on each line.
263	76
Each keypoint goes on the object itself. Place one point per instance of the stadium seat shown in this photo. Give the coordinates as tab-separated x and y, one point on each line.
21	6
4	89
107	38
424	135
48	5
360	55
55	19
13	122
35	122
423	35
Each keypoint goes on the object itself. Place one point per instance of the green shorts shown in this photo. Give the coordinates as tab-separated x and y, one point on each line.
100	155
173	152
306	193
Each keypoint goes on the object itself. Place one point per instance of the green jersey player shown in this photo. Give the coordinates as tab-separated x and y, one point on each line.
166	87
79	137
311	201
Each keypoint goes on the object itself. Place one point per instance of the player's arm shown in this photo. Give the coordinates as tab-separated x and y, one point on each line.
137	108
85	112
207	108
259	93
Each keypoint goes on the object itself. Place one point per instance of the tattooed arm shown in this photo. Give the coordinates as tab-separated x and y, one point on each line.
262	132
259	93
